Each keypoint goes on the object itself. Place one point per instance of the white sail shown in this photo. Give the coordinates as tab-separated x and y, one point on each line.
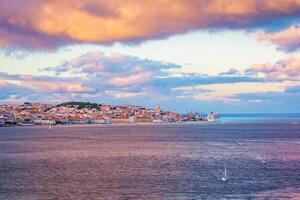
225	171
224	178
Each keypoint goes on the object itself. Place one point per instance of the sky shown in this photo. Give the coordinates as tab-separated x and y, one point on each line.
186	55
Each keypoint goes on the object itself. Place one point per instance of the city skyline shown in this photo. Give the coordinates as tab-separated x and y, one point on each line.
225	56
30	114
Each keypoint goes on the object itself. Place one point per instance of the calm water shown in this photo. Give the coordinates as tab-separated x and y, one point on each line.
260	117
176	161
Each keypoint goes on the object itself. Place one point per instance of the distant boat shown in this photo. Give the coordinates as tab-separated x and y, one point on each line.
25	124
158	121
50	127
213	116
224	177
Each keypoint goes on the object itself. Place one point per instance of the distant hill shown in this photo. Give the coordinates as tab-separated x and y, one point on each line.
79	105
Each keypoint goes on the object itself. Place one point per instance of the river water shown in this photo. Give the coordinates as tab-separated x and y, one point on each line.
158	161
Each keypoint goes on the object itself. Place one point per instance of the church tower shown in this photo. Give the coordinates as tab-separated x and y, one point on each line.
158	109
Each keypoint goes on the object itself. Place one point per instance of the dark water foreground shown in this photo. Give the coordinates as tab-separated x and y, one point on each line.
179	161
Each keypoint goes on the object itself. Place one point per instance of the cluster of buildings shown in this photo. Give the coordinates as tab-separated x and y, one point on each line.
86	113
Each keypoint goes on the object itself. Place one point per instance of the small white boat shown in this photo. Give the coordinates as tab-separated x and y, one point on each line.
157	121
211	117
50	127
225	177
25	124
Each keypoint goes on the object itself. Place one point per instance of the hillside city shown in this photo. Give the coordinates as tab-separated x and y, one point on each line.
28	114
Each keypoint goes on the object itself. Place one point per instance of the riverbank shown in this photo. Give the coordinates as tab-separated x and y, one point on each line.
108	125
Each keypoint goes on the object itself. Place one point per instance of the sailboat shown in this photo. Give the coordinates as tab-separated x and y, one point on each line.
224	177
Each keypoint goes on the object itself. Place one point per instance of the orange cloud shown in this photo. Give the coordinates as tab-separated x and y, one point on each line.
52	23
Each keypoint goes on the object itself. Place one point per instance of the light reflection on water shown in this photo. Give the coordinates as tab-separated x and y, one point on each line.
179	161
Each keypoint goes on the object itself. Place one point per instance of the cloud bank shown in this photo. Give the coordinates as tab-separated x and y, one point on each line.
101	77
49	24
97	75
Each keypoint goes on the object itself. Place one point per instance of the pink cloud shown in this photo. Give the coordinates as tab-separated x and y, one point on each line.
131	79
114	70
287	40
55	86
286	69
44	85
229	92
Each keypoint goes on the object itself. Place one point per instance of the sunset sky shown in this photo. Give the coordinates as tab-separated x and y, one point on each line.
228	56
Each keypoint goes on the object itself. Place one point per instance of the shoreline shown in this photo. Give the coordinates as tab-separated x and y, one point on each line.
107	125
191	123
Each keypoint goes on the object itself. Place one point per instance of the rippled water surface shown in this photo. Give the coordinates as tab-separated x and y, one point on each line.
175	161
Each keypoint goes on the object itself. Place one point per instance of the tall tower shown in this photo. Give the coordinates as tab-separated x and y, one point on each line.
158	109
